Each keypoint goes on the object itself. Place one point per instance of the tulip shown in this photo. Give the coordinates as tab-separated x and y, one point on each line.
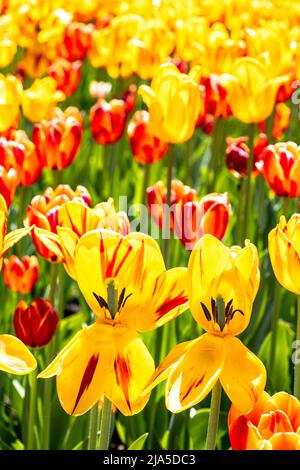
251	93
273	424
215	97
281	121
8	240
8	184
57	141
100	90
15	357
284	253
35	324
237	155
19	152
21	275
66	75
43	213
222	285
146	148
130	98
10	100
109	355
35	62
74	219
77	40
281	168
39	101
174	103
108	120
8	34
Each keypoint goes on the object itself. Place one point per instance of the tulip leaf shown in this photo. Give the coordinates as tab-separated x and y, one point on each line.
138	444
280	377
198	428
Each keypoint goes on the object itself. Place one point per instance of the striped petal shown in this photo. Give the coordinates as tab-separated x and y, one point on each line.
13	237
50	241
196	374
15	358
68	241
78	218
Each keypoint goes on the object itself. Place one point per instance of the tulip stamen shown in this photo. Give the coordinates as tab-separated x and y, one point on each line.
101	301
121	302
220	315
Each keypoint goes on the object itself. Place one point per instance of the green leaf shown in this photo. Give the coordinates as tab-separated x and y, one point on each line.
280	378
138	444
198	428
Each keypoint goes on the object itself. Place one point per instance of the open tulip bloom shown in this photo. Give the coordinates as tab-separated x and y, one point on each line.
222	285
109	358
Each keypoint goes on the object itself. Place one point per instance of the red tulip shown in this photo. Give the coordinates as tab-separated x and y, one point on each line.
20	275
108	120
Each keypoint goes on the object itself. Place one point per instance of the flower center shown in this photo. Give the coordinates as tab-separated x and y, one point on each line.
220	312
120	301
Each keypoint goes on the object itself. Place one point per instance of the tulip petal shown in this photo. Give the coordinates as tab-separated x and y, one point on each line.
285	441
13	237
50	241
68	241
133	367
290	406
85	369
243	376
243	435
77	217
15	358
195	375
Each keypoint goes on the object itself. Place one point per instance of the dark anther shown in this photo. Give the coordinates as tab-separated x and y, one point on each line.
206	312
121	298
229	312
102	302
125	300
214	309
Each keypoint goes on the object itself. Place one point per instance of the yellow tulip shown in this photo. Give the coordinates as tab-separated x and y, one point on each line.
8	240
174	102
284	250
251	91
109	358
10	99
15	358
8	44
39	101
76	219
222	285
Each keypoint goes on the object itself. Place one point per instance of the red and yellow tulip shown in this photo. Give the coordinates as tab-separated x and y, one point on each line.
21	275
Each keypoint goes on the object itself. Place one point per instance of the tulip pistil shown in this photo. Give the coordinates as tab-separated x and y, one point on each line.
120	301
220	315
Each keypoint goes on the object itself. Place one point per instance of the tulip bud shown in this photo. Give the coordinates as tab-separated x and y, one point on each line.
237	154
43	213
66	75
215	97
35	324
77	40
20	275
108	120
57	141
146	148
8	184
281	168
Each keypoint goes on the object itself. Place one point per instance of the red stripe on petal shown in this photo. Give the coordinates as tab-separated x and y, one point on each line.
170	304
87	378
123	375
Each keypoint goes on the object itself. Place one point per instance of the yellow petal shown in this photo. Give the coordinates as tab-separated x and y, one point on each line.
243	376
68	241
85	369
15	357
133	367
77	217
132	261
3	220
13	237
195	375
50	241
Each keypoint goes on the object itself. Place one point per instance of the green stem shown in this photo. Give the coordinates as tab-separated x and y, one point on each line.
274	330
21	217
218	151
32	379
247	188
297	364
213	420
50	351
269	126
166	230
147	168
104	160
188	154
60	306
93	428
56	178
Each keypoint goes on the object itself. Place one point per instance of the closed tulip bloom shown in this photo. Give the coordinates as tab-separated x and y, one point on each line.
251	92
273	424
43	213
284	252
215	97
222	285
74	219
57	141
66	75
77	40
8	240
146	148
10	100
18	152
15	358
281	168
192	219
109	357
21	275
237	154
108	120
35	324
8	184
39	101
174	103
